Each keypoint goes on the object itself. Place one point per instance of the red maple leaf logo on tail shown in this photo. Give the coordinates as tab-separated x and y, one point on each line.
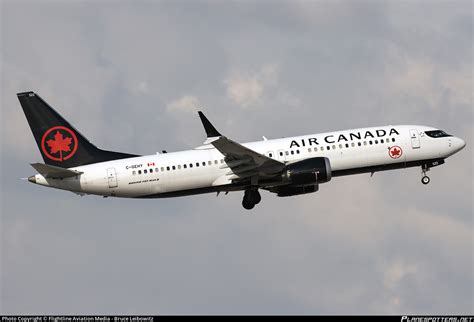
59	144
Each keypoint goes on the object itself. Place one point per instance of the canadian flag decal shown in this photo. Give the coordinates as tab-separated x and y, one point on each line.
151	164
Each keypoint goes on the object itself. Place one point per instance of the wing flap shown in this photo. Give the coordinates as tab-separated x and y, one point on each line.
235	163
243	175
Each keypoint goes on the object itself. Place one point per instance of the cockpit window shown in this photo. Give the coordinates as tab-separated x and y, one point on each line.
436	134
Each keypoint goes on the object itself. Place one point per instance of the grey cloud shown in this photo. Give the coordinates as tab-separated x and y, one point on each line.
385	244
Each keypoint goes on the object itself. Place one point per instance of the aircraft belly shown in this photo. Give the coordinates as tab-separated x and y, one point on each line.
187	182
72	184
167	182
96	185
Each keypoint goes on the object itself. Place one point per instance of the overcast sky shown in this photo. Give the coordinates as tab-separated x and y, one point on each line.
131	76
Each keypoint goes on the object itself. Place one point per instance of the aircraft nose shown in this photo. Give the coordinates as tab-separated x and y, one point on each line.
459	144
32	179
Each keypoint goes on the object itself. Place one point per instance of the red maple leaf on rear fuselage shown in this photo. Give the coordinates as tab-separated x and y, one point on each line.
59	144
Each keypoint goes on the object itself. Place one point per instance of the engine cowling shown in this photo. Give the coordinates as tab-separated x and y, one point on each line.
287	191
308	172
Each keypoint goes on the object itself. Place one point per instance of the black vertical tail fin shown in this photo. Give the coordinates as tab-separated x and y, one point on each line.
59	142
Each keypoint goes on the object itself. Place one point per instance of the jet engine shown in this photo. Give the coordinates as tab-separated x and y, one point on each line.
308	172
304	177
287	191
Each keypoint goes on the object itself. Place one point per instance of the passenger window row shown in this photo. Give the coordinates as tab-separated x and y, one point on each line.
353	144
177	167
334	147
291	152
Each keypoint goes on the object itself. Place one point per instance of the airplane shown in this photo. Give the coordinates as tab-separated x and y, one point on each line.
286	166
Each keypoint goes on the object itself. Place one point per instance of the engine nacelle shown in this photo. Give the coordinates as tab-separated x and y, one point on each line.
308	172
287	191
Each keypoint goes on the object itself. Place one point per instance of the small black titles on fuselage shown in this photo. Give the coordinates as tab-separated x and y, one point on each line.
133	166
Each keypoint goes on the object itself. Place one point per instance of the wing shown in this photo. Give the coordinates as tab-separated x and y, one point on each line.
243	163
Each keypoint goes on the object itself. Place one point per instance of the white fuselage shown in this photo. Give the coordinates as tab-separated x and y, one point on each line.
204	170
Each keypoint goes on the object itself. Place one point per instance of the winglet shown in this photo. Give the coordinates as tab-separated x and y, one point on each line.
210	129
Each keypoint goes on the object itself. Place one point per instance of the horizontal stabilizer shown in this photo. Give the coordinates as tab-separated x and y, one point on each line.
51	171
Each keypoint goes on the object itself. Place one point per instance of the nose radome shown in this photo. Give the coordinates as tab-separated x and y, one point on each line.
460	144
